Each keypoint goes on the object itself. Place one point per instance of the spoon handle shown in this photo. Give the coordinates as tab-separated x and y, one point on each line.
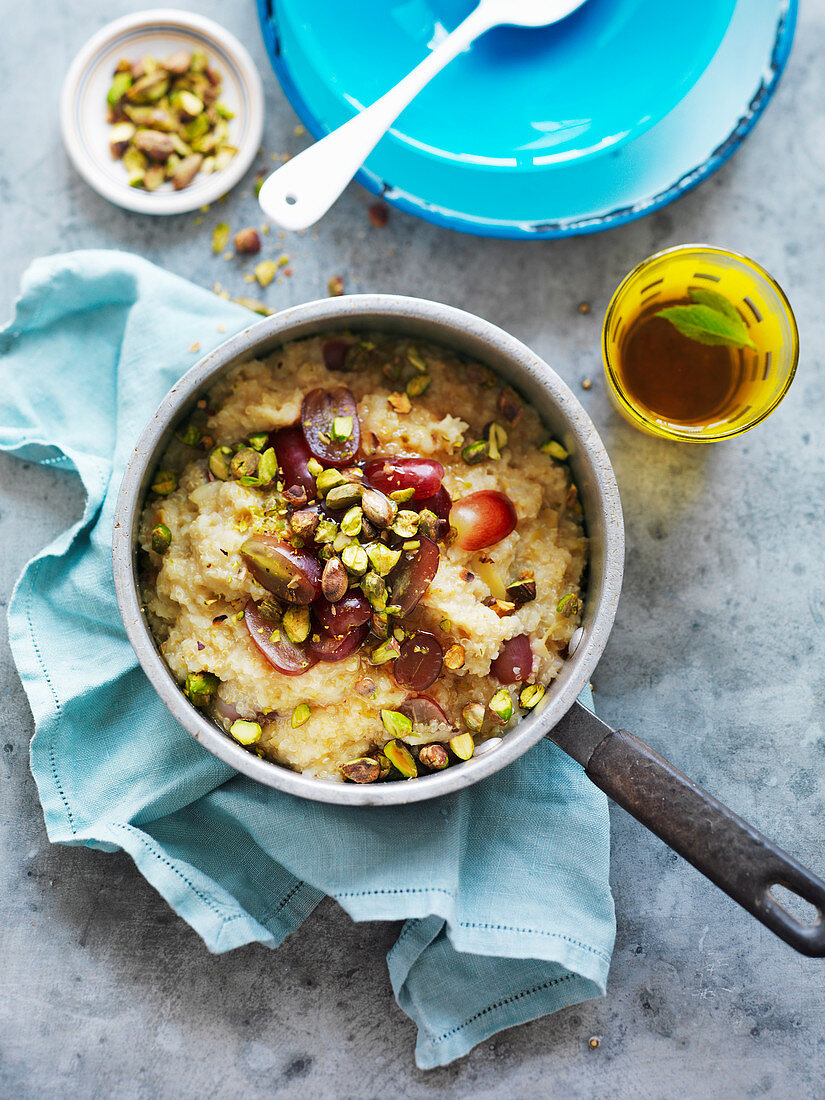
298	194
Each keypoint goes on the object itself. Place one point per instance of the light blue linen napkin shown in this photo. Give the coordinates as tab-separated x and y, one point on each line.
503	887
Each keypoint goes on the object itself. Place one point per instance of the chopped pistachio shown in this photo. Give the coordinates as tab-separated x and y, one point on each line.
189	104
154	177
522	591
327	479
296	624
344	495
265	272
373	587
400	634
531	696
400	403
220	237
429	524
186	171
401	496
416	360
218	462
496	440
341	429
446	625
119	137
198	63
399	755
395	723
200	687
380	623
568	606
247	241
267	467
462	745
386	651
334	580
161	538
454	657
341	541
247	733
335	286
326	531
382	558
555	450
120	85
434	757
135	164
352	521
190	435
164	483
362	770
501	706
378	508
304	523
474	453
354	559
300	715
405	524
258	440
314	467
473	715
418	385
157	145
384	766
510	407
244	463
252	303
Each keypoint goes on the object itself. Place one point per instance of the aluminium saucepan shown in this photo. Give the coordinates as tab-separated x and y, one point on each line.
729	852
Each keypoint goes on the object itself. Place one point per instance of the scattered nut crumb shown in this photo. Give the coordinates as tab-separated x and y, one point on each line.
228	255
379	214
265	230
249	278
195	347
221	328
587	383
265	272
400	402
300	130
335	287
584	307
199	220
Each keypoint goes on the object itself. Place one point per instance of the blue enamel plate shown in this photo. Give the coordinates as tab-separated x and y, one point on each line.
608	115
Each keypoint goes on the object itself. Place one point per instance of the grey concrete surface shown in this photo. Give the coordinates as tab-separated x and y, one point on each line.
717	659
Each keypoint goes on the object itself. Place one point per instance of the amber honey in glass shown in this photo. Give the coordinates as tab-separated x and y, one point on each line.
675	386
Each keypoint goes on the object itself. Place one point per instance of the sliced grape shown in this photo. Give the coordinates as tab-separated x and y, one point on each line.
410	579
515	661
482	519
293	575
329	420
271	640
419	663
225	710
338	619
391	474
421	709
293	455
329	648
335	354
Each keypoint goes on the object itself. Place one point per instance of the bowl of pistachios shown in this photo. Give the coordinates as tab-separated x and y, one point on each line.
162	112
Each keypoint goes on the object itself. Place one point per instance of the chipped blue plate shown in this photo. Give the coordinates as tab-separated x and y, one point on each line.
611	114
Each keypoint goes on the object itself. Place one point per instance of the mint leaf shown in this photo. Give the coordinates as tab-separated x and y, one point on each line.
707	325
704	296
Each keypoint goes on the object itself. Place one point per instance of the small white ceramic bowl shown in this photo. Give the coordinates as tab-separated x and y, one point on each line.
159	32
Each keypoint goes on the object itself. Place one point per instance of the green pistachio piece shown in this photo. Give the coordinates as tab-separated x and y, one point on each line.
267	467
496	440
341	429
462	745
374	589
355	560
200	687
384	766
428	524
164	483
244	463
341	541
554	449
399	755
246	732
522	591
135	164
473	715
300	715
120	85
386	651
418	385
531	696
326	531
296	624
218	462
362	770
190	435
161	538
220	237
344	495
406	524
382	558
198	63
474	453
416	360
401	496
568	606
327	479
435	756
396	724
189	104
501	706
257	441
378	508
351	523
315	467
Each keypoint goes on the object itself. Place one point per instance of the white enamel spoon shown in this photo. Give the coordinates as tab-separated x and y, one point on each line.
298	194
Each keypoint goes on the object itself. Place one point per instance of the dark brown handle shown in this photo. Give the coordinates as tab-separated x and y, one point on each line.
737	858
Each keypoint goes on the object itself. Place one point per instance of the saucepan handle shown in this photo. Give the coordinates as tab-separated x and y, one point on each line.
734	856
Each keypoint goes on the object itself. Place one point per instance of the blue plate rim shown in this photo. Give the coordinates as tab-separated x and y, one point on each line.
785	28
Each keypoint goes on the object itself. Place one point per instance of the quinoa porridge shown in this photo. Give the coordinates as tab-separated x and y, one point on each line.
363	557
